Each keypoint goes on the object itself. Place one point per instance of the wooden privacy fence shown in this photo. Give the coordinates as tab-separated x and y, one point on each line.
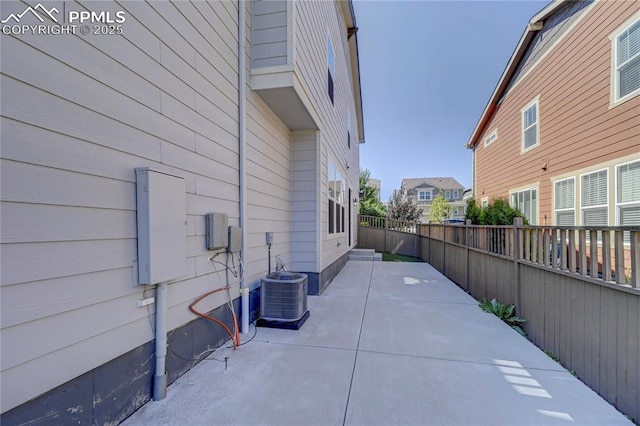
577	287
388	235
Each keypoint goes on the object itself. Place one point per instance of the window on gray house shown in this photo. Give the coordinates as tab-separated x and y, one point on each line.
336	200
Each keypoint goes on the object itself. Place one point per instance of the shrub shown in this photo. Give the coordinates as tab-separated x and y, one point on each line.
498	212
506	313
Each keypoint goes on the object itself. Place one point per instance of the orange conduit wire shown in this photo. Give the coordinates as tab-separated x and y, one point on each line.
235	338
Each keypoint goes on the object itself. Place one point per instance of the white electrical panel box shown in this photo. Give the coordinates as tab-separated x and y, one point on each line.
235	239
217	232
161	214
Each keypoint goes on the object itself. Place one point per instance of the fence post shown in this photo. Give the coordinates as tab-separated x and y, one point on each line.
466	245
386	227
635	258
429	241
517	223
444	250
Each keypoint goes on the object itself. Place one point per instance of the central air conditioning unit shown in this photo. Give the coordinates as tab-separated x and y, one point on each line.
283	300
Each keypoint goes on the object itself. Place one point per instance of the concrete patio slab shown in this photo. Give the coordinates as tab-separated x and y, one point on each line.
264	384
352	282
405	390
377	351
416	282
459	332
330	314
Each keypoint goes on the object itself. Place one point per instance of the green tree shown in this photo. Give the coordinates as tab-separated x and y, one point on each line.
402	207
440	209
473	212
369	200
498	212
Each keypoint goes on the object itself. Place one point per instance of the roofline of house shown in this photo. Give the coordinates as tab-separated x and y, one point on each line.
535	24
350	18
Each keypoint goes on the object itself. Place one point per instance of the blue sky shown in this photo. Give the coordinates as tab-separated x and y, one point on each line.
428	69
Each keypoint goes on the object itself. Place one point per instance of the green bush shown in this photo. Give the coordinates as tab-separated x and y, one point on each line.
498	212
506	313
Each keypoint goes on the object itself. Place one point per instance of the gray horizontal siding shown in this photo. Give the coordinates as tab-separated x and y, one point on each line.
268	179
304	202
78	115
269	33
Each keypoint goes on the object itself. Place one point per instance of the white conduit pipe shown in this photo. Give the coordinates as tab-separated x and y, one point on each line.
244	290
160	378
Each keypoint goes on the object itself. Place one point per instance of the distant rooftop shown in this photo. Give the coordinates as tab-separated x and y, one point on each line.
436	182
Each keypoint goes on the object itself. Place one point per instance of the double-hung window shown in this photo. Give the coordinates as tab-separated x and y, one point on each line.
456	194
336	211
628	195
627	62
424	195
594	196
530	126
527	202
565	202
447	194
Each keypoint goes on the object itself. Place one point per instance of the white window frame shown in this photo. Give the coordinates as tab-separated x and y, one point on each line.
623	204
456	194
429	192
533	220
599	206
484	202
535	102
556	210
491	138
615	69
339	202
447	194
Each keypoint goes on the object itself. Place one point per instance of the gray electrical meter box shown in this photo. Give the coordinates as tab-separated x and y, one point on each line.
161	214
235	239
217	231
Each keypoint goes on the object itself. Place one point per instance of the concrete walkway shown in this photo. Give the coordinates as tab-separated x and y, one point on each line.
387	343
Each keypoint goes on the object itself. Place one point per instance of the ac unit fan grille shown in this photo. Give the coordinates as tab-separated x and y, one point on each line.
283	300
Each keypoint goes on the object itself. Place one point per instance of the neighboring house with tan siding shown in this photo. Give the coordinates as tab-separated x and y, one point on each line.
424	190
560	135
266	130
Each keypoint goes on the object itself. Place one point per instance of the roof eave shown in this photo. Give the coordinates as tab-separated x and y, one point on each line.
532	27
350	21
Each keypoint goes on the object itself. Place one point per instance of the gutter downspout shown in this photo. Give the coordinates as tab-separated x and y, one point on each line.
473	172
244	290
160	377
